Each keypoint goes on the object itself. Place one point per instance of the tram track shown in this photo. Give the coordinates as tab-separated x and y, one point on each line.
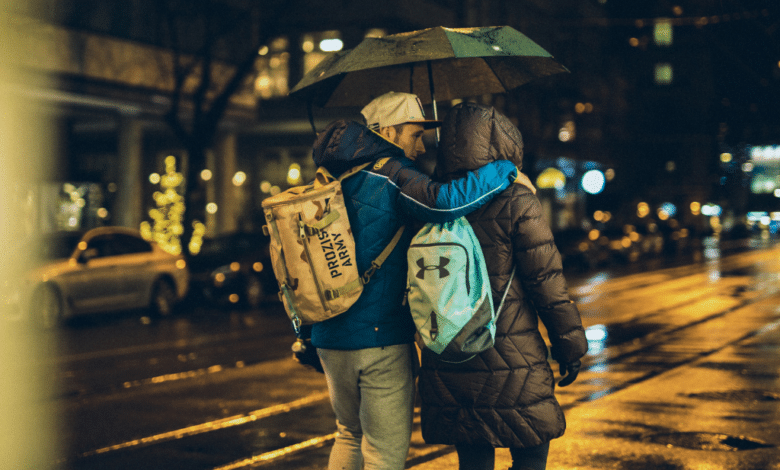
705	304
215	425
583	398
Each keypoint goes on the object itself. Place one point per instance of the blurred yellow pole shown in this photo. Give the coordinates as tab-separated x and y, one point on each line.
27	418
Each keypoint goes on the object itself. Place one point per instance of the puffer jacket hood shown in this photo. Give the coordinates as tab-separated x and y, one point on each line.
491	137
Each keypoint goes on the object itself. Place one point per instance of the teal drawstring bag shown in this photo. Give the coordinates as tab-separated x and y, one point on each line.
448	291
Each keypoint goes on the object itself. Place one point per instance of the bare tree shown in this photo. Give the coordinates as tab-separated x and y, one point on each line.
214	46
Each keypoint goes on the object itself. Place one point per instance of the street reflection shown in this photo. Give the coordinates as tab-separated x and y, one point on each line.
597	338
711	248
588	291
712	255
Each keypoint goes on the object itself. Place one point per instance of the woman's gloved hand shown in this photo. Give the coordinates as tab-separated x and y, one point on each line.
569	373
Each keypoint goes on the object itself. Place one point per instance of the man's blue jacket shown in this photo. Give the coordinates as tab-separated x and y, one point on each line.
380	199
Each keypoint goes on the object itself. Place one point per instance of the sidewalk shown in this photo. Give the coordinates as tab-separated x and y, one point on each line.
718	412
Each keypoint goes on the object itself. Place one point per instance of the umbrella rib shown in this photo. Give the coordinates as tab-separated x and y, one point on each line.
498	77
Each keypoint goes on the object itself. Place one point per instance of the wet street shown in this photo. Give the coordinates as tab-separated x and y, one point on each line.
683	372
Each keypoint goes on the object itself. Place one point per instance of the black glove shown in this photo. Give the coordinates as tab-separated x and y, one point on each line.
569	373
306	354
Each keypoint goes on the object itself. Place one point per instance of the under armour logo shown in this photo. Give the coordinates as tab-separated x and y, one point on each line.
440	267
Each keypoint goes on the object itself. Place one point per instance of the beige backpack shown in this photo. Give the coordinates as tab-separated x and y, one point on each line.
313	250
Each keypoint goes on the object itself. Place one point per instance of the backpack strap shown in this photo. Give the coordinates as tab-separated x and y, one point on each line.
377	263
313	228
331	294
352	171
323	177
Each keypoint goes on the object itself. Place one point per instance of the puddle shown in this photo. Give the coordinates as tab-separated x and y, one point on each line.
656	407
627	332
739	272
601	337
746	419
706	441
743	396
743	369
633	462
732	366
738	291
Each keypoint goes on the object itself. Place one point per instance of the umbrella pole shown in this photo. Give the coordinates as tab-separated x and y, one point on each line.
311	117
433	99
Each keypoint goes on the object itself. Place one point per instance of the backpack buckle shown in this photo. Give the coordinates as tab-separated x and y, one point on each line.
331	294
369	272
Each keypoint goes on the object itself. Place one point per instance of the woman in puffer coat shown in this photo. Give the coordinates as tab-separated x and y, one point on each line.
504	397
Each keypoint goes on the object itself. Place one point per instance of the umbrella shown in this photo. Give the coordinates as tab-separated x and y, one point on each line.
434	63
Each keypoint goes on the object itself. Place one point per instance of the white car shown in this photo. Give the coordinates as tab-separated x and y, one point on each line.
105	269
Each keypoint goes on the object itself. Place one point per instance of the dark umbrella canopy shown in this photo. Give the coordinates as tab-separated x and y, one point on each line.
435	64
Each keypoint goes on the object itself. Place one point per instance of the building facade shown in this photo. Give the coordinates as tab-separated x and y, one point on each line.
649	101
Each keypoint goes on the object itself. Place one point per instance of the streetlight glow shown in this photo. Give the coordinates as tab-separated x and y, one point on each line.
239	178
294	174
593	181
331	45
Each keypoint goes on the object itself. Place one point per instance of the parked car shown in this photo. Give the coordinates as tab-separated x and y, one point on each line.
579	248
234	269
105	269
630	243
649	238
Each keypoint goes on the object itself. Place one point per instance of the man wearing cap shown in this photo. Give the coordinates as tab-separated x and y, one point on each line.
399	118
367	352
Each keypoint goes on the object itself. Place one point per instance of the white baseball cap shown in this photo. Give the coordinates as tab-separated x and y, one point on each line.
394	108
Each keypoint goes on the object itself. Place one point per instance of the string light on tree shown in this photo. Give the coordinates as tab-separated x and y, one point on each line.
166	228
198	230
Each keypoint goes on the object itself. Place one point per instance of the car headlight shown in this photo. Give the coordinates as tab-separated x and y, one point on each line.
224	273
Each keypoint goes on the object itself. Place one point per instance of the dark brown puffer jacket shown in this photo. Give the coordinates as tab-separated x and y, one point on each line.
504	396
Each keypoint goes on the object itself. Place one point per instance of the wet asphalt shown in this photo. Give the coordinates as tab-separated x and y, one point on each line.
683	372
717	409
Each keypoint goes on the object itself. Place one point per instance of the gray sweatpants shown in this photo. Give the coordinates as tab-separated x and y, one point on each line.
372	394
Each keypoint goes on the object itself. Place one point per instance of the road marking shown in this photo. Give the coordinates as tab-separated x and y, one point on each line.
223	423
268	456
171	377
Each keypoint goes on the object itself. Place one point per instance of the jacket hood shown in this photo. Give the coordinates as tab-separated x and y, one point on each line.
344	144
474	135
